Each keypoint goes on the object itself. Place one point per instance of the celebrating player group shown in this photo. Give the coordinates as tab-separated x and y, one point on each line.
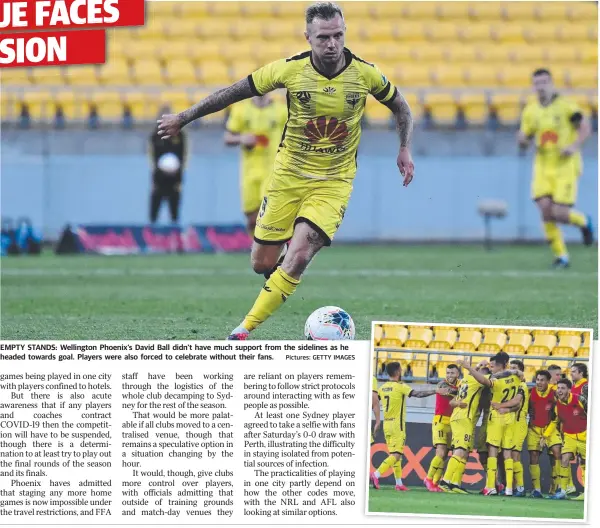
551	416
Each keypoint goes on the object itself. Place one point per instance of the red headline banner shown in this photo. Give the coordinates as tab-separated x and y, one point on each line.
23	15
52	48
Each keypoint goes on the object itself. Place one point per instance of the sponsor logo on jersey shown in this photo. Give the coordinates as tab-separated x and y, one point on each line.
322	129
549	136
303	97
329	90
352	98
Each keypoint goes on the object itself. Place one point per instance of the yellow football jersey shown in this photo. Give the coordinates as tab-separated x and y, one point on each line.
551	126
324	122
374	385
393	395
267	124
504	389
469	391
523	390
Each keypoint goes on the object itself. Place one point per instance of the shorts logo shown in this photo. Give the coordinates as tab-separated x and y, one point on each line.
352	98
303	97
329	90
263	207
332	130
342	214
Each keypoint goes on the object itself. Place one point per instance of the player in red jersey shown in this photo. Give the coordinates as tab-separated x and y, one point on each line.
579	376
541	413
440	428
570	413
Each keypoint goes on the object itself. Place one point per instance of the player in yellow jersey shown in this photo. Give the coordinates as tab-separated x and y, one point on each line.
559	128
499	428
520	405
256	126
462	422
393	395
376	408
315	166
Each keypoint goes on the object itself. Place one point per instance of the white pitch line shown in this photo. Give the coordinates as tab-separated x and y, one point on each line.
374	272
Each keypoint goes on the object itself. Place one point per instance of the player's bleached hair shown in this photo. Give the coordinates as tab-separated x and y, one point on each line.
581	367
324	11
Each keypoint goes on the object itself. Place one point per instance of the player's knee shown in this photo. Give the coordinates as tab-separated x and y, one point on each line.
261	263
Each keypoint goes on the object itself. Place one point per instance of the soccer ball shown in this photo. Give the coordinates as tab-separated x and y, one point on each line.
168	163
329	323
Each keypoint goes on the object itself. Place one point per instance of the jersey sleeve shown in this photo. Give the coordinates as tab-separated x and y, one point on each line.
528	122
374	385
269	77
574	112
235	122
378	84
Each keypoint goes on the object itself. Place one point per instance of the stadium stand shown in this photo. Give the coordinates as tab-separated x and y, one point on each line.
423	351
454	60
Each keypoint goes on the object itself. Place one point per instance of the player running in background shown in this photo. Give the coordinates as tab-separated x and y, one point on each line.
315	166
520	405
256	126
376	409
393	395
499	428
440	428
571	414
560	129
462	423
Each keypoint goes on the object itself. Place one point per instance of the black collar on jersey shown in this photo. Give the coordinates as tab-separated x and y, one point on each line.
347	55
552	99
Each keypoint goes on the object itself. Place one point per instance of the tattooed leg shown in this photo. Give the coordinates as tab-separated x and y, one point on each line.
306	243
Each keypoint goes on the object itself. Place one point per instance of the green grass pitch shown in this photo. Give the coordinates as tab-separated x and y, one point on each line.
205	296
420	501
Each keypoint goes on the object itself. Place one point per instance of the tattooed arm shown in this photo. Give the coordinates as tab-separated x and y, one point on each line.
404	127
171	124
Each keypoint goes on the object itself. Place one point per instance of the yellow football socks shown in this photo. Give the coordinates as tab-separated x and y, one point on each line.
518	473
451	469
509	471
274	293
437	464
582	475
556	474
564	477
577	219
387	464
459	472
555	238
571	485
397	467
438	475
492	465
536	480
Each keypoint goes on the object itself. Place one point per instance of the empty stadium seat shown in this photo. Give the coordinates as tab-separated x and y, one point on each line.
442	107
394	336
507	106
39	104
584	11
519	10
147	72
193	10
377	334
419	337
108	104
48	76
518	342
543	344
468	339
493	341
584	349
214	73
241	69
452	10
140	49
15	76
474	106
181	72
114	73
444	338
568	344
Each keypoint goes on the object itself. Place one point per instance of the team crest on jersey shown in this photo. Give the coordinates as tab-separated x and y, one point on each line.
329	90
332	130
352	98
303	97
263	207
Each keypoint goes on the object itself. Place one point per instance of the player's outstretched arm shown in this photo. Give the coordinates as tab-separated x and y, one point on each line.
376	410
510	405
404	127
425	394
481	378
584	130
171	124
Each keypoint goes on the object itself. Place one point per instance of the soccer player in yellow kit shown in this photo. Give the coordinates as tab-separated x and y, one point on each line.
314	169
393	395
256	126
560	129
499	428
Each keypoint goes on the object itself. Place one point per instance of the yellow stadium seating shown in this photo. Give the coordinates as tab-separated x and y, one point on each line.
507	106
441	32
394	336
444	338
519	10
474	106
164	9
412	75
50	76
427	53
355	10
442	106
419	337
515	76
264	10
518	342
419	368
568	344
507	33
68	103
584	11
109	104
39	104
582	76
251	30
584	349
193	10
452	10
542	344
539	33
140	49
389	11
214	72
490	53
420	10
493	341
241	69
448	76
468	339
588	53
113	73
181	72
152	30
404	358
15	76
284	29
488	11
147	72
178	100
481	75
460	53
563	54
377	334
140	104
225	9
527	54
82	75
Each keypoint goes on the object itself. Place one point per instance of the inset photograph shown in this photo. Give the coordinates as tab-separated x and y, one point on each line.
481	421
